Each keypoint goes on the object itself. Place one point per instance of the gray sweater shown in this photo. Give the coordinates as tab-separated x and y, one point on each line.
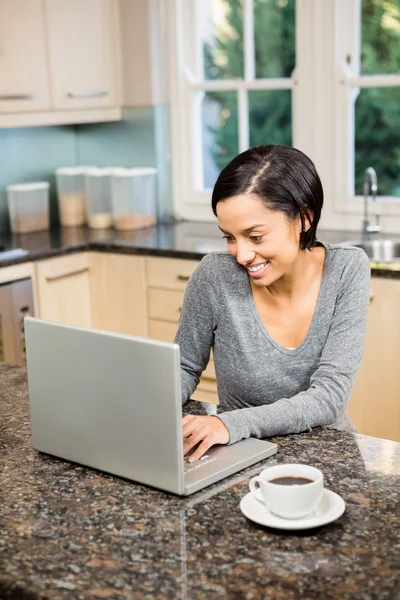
265	388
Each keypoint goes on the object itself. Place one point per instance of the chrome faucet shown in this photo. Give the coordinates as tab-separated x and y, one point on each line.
370	188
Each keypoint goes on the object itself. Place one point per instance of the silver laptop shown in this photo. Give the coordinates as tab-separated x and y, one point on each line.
113	402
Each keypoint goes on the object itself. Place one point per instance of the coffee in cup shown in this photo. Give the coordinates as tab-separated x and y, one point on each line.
291	491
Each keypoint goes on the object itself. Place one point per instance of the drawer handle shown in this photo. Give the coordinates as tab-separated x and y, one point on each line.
183	277
70	274
371	296
99	94
17	96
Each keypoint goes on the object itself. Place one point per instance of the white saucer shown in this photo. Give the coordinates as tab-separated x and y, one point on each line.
331	507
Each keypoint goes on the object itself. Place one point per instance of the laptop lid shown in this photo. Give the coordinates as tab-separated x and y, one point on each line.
106	400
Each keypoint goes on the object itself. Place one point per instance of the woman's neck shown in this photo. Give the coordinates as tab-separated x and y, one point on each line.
307	266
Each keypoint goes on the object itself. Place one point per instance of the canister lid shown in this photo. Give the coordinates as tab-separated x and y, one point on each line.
29	186
77	170
99	171
133	172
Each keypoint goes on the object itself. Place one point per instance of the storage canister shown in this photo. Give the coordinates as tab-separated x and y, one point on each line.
133	195
71	196
28	206
98	197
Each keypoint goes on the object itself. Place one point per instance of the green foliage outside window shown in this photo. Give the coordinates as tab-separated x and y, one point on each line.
377	110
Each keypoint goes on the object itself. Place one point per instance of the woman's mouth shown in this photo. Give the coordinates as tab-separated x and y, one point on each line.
257	271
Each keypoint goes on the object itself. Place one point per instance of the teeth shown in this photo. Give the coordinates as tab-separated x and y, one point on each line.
257	268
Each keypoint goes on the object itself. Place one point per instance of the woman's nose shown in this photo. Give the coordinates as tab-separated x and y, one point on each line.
244	253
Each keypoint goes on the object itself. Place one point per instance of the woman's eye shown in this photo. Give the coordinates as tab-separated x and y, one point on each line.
256	238
228	238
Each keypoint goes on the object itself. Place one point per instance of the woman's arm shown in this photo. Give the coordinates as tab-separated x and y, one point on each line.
195	333
331	383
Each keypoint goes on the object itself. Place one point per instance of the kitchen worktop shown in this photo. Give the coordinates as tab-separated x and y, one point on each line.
68	532
185	239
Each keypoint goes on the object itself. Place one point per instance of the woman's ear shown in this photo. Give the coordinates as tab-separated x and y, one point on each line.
308	219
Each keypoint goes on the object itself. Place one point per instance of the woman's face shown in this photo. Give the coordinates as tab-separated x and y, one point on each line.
263	241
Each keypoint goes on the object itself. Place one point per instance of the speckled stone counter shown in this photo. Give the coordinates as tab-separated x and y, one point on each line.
185	239
67	532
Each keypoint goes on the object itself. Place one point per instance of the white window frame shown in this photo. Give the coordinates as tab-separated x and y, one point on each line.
323	92
190	200
348	83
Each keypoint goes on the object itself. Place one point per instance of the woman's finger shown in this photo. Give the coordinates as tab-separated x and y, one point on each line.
202	449
191	425
194	438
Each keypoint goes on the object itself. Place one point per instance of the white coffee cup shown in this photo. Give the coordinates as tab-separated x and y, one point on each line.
290	500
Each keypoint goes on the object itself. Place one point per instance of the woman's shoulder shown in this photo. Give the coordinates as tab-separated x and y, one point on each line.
218	262
347	266
346	256
217	267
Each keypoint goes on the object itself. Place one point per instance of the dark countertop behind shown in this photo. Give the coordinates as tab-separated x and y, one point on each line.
68	532
186	239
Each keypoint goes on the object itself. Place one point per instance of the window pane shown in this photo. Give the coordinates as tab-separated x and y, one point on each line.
219	133
270	117
274	37
380	37
377	138
221	33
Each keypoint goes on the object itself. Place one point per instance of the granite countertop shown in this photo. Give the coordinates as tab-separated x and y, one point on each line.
68	532
184	239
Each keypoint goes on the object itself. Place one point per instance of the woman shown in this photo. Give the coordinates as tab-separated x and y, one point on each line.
285	315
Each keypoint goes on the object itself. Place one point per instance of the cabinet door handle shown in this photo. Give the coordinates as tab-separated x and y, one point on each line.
17	96
70	274
98	94
183	277
371	296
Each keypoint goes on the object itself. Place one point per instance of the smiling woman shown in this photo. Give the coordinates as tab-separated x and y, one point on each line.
284	313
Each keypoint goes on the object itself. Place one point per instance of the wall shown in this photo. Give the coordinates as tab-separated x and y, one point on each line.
33	154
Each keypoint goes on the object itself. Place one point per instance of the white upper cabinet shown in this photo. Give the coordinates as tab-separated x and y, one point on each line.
23	59
83	57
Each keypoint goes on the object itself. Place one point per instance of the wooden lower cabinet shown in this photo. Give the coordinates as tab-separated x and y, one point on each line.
118	293
375	402
94	289
167	279
63	289
161	330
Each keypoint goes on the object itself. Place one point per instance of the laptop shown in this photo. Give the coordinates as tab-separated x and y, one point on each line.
113	402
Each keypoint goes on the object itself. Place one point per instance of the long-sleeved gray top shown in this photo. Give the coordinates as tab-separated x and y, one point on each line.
269	389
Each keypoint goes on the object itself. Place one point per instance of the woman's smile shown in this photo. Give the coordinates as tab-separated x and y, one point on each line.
257	271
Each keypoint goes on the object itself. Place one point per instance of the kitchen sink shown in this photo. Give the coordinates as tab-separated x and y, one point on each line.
380	250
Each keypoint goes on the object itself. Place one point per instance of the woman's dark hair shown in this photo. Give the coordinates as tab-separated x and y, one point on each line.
283	177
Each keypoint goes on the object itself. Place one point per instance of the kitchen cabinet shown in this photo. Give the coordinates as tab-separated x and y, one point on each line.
63	289
60	62
118	293
375	402
94	289
167	279
82	39
16	302
23	61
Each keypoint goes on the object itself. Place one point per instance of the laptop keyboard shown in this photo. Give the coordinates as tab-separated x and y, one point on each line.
197	464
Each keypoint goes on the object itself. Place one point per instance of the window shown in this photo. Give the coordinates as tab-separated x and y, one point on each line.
377	109
369	115
237	60
322	75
